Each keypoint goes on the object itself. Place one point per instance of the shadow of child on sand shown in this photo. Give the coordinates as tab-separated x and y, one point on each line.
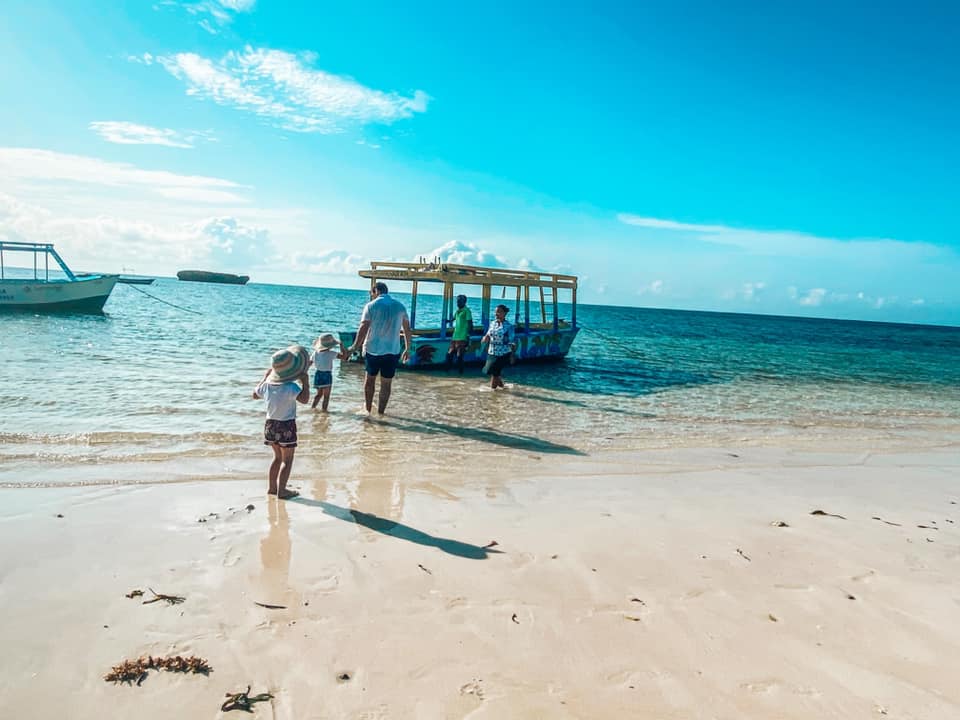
399	530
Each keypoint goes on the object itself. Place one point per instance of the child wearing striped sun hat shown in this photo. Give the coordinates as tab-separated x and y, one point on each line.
280	389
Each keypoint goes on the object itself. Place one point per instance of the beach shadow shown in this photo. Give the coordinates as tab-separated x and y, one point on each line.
398	530
494	437
580	404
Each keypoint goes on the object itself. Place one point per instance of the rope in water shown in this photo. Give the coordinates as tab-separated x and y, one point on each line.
178	307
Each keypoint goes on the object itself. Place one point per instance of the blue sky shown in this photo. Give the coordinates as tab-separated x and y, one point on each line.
731	156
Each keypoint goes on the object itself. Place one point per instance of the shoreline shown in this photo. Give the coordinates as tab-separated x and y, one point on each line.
465	446
627	583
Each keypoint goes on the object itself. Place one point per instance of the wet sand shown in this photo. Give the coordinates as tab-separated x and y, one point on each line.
623	584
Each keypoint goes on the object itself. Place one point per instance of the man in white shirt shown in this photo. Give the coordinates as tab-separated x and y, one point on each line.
381	324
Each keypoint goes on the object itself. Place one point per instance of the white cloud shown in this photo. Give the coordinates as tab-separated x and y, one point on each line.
239	5
813	298
18	165
658	224
145	59
331	262
92	241
751	290
221	12
653	288
457	252
128	133
285	89
787	243
201	195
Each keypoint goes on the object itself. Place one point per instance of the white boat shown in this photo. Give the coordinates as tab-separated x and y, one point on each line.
43	293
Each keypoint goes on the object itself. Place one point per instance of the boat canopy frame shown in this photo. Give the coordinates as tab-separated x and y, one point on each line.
548	285
36	248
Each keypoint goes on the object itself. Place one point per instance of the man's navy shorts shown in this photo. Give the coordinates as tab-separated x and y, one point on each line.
385	365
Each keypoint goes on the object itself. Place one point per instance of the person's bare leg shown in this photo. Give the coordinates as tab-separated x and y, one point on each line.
317	399
369	385
326	398
384	396
282	492
274	470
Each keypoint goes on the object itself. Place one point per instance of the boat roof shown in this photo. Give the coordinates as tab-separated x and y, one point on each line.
466	275
17	246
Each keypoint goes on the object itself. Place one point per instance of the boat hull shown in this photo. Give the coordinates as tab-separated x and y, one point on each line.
81	295
537	346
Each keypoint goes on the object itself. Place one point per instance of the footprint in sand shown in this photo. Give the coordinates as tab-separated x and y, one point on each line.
326	583
764	686
787	586
380	713
634	611
231	557
519	560
627	678
473	688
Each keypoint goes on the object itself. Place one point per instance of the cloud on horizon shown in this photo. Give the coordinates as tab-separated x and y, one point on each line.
215	242
458	252
286	90
856	269
330	262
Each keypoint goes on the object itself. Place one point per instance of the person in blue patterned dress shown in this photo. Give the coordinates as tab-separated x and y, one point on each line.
501	346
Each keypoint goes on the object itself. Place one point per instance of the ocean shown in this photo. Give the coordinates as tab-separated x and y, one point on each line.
148	392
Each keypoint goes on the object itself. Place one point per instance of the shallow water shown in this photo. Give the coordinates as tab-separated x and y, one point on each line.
152	393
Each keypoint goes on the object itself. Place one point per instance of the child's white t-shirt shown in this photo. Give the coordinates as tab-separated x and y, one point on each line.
281	399
323	360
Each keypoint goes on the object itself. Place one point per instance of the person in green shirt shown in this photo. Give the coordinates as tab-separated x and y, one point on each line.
462	327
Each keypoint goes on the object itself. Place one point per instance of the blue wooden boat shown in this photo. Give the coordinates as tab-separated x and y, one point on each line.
541	334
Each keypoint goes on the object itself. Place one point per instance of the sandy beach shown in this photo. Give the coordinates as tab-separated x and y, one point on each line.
691	583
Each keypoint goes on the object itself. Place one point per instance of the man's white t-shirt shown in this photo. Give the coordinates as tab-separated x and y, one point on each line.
281	399
386	317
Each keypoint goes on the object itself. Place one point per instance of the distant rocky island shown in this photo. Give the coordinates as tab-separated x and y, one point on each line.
212	277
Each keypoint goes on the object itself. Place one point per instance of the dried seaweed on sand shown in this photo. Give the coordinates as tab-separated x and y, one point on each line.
169	599
130	671
824	513
243	700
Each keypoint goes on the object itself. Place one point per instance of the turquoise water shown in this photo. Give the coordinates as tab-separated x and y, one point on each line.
151	393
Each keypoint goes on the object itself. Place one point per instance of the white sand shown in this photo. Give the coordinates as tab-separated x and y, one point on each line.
619	592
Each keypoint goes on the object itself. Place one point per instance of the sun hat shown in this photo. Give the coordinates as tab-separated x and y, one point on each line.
288	364
327	341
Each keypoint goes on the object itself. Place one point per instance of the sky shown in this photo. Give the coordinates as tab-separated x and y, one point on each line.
793	159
